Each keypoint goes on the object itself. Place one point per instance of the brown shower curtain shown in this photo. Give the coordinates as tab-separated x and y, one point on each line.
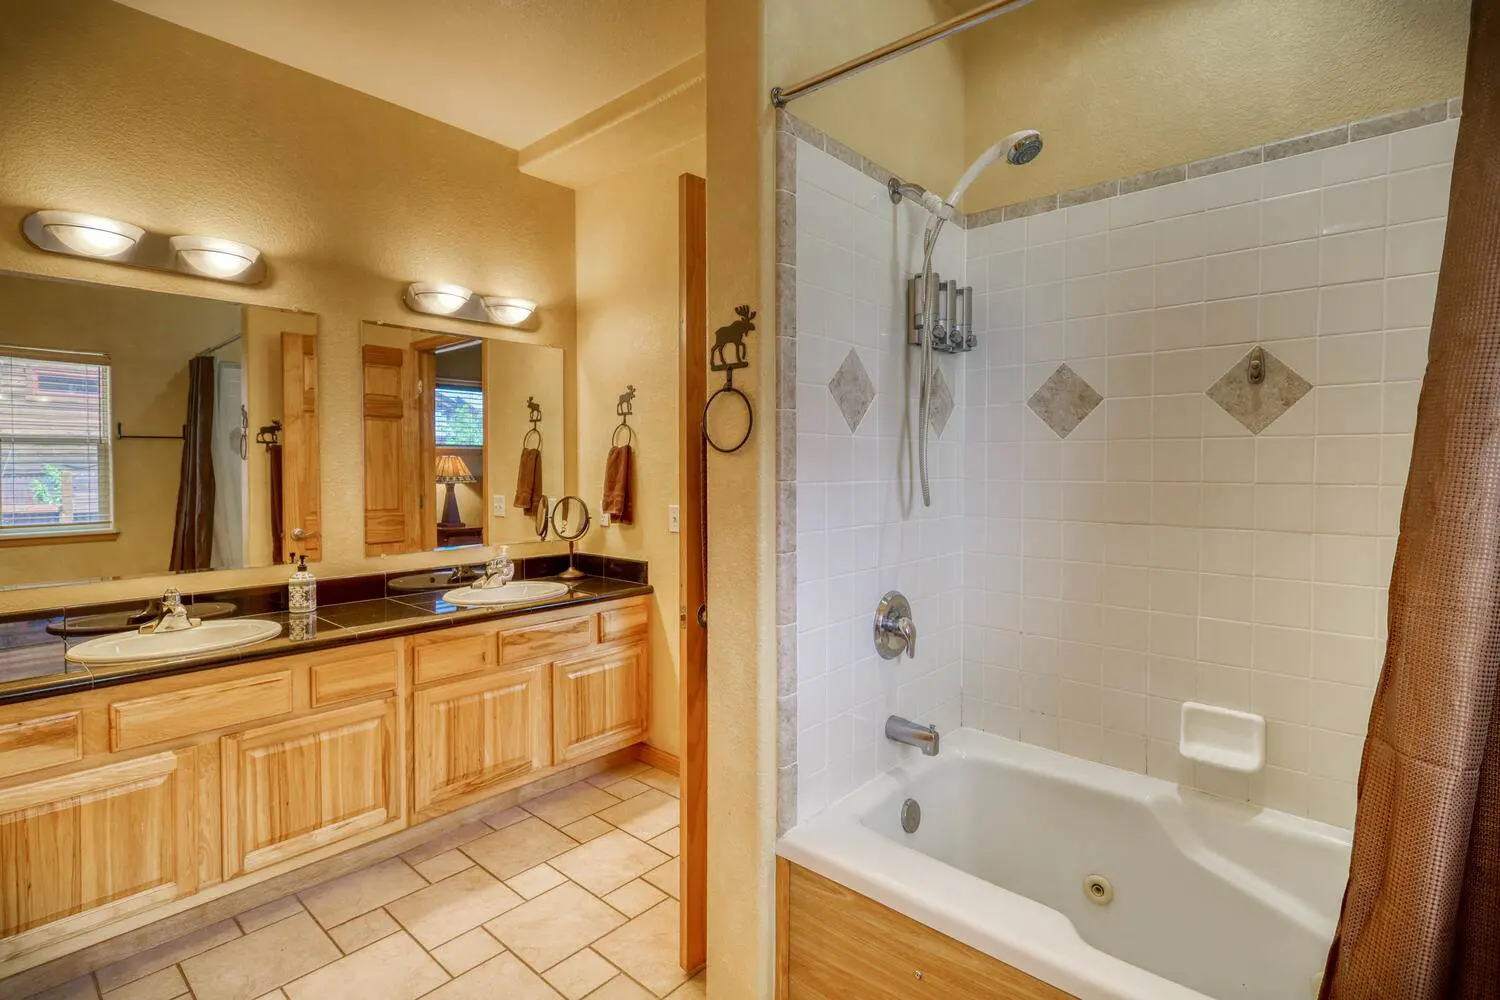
193	536
1421	914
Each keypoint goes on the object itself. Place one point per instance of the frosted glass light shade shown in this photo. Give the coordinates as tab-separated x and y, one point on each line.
508	311
90	235
437	299
213	257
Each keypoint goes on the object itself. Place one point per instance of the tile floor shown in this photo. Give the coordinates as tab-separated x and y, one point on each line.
572	895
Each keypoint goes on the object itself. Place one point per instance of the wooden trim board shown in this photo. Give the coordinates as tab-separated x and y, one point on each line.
659	759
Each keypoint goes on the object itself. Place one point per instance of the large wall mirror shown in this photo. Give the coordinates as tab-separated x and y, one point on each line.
463	438
128	433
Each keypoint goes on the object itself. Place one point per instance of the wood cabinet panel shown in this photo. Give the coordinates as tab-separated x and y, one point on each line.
353	674
296	786
628	622
551	639
32	744
834	943
175	714
94	846
473	734
600	702
437	658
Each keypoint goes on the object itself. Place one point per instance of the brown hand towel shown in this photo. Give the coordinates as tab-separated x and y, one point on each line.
619	499
529	480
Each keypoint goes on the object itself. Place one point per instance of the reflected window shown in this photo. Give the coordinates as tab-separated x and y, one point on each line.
55	457
459	414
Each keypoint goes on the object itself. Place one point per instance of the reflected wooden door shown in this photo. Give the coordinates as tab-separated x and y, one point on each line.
392	498
301	481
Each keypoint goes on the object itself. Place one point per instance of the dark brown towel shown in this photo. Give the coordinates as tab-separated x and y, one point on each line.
529	480
619	496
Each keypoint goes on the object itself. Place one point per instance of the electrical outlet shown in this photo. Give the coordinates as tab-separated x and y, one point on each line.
604	519
674	518
497	505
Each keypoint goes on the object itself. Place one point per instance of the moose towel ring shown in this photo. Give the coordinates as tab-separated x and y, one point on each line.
725	338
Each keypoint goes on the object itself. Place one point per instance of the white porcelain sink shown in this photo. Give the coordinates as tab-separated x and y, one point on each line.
511	593
209	637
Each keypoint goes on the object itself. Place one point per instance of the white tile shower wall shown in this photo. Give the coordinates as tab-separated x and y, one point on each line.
861	526
1161	553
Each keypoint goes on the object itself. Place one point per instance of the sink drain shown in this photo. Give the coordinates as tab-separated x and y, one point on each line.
911	815
1099	890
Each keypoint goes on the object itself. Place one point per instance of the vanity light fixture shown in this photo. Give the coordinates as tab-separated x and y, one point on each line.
458	302
79	234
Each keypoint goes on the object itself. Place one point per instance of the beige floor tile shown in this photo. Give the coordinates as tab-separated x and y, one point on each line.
621	987
273	995
508	852
506	817
446	909
365	929
82	988
466	951
602	866
580	975
393	968
617	774
440	866
665	878
669	842
163	985
627	789
256	963
635	898
115	975
694	989
345	898
587	829
502	978
443	843
649	814
569	804
660	780
261	916
535	881
553	926
646	949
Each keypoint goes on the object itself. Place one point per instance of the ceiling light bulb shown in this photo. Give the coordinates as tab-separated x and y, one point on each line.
439	299
90	235
509	311
213	257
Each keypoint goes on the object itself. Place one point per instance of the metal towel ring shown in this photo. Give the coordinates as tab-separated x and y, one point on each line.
527	438
614	439
729	387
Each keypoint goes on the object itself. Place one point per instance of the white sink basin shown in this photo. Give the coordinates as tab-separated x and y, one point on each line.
511	593
209	637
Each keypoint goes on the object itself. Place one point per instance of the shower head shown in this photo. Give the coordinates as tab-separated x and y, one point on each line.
1023	147
1018	148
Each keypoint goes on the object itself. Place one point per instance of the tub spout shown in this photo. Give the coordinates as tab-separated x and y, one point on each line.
924	738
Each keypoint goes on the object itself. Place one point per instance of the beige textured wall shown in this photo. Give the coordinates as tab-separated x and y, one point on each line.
512	373
1119	87
112	111
907	115
628	335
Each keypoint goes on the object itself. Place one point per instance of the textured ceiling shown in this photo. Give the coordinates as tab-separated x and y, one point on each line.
509	70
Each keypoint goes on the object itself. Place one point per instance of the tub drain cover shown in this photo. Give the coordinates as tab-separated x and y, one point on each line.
1099	890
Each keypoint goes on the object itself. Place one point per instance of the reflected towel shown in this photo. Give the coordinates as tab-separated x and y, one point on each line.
619	500
529	480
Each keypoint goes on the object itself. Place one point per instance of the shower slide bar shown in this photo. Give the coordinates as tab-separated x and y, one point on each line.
782	96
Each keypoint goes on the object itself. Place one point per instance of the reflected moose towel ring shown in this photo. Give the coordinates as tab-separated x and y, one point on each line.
624	409
534	415
726	339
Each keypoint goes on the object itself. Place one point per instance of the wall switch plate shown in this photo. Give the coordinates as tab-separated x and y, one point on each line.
604	519
497	505
674	518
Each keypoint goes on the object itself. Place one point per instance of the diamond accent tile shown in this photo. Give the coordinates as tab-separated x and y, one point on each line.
852	390
1064	400
1258	405
942	402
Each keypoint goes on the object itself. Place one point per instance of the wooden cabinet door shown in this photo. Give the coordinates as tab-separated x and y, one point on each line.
600	702
85	849
471	735
295	786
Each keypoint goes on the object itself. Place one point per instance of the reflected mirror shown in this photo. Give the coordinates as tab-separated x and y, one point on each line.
463	438
144	433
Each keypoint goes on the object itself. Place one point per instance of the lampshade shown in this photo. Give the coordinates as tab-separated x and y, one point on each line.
437	299
508	311
451	469
90	235
213	257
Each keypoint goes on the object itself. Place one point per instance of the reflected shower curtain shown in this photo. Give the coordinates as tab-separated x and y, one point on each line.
193	535
1421	914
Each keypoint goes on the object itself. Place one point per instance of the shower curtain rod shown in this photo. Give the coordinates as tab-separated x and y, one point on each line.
218	347
782	96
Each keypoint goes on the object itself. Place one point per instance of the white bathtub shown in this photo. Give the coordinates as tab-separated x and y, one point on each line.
1211	898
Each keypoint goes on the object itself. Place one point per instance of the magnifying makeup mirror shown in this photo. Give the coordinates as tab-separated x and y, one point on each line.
542	522
570	521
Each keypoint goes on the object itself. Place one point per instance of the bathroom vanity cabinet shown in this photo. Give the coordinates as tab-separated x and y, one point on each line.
130	801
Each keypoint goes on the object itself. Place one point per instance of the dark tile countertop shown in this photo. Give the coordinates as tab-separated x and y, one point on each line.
33	660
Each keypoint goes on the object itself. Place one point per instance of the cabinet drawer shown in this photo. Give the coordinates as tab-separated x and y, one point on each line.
624	623
347	677
160	717
33	744
537	641
438	659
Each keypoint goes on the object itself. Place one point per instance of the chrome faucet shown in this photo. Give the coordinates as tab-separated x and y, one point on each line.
924	738
895	630
173	615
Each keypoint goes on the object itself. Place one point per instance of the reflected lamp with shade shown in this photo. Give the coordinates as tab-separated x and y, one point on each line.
452	470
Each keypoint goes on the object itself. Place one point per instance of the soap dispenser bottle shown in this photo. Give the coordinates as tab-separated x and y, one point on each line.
302	589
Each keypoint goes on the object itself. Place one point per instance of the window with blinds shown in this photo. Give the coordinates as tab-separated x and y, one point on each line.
55	460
